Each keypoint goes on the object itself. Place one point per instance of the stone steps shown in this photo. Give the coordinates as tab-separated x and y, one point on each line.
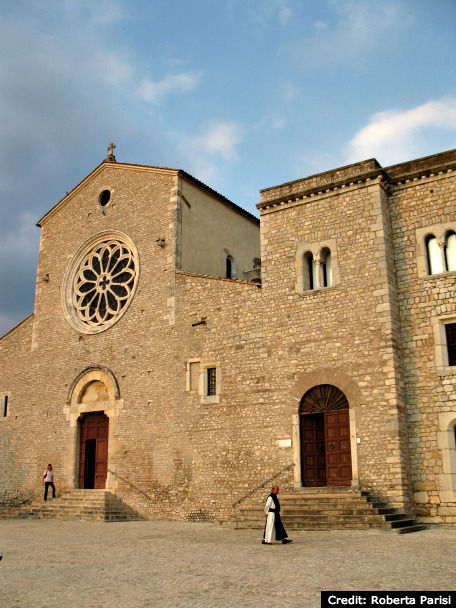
335	509
95	505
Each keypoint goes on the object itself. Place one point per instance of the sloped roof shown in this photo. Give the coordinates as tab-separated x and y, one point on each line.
165	170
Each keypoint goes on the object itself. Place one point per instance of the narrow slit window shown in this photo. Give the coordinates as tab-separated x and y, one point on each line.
5	406
450	331
310	274
326	267
211	381
229	267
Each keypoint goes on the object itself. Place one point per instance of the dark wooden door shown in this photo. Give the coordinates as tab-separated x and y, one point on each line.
337	448
313	461
93	455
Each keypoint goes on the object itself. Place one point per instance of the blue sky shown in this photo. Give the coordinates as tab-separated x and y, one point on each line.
243	94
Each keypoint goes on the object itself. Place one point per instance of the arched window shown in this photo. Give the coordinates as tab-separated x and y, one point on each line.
450	251
434	257
326	267
229	267
310	271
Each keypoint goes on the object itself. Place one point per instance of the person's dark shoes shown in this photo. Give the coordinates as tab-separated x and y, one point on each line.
263	542
286	541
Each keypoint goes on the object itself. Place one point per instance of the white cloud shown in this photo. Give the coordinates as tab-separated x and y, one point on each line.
264	14
284	13
154	91
106	12
206	154
112	68
271	121
100	13
359	27
395	136
220	138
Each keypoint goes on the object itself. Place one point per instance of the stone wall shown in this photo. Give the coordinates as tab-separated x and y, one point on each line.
18	460
137	349
174	450
227	444
209	230
427	201
349	327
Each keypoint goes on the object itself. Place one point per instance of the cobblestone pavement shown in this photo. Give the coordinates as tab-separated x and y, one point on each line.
69	564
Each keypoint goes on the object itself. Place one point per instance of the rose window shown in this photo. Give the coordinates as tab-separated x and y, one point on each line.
101	284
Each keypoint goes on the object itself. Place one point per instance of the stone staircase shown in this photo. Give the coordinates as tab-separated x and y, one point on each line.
331	509
95	505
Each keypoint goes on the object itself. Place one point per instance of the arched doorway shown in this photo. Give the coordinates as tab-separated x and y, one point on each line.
92	410
93	452
325	437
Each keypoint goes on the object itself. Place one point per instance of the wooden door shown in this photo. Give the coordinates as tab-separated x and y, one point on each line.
337	448
313	465
93	455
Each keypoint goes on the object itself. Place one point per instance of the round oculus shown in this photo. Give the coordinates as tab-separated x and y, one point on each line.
100	282
104	197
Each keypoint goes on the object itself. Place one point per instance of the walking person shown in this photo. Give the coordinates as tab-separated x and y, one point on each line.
48	480
274	530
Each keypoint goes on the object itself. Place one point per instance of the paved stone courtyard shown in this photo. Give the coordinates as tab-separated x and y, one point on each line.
69	564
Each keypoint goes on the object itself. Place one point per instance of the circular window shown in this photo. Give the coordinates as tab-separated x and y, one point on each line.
100	283
104	197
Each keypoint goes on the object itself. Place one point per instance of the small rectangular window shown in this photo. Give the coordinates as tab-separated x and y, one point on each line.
5	406
450	330
211	380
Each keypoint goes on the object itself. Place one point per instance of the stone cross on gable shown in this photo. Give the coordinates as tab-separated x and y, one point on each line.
111	152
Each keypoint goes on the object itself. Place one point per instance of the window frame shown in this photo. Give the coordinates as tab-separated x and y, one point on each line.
313	251
441	346
203	382
451	346
188	377
441	233
449	233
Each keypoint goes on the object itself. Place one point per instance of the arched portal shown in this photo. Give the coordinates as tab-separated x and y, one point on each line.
325	437
92	410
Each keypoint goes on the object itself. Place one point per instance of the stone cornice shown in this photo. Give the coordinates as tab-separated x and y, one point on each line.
393	176
375	176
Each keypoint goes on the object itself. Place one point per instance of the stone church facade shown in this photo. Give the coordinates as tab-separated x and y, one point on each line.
164	362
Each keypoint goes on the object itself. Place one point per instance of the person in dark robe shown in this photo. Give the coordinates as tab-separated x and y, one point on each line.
274	530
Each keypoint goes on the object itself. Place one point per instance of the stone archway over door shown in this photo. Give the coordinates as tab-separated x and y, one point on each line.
325	437
93	453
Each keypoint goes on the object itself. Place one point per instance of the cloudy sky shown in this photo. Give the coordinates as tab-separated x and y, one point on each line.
243	94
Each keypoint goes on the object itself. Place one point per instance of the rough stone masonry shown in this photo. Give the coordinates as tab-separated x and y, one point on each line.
213	350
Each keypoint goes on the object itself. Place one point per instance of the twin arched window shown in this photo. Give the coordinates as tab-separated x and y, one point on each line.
317	269
441	259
